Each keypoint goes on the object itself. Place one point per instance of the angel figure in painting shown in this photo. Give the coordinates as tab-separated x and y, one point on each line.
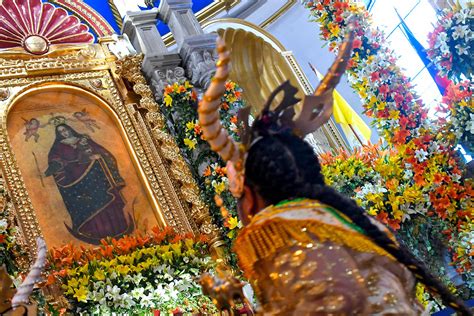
89	182
31	129
85	119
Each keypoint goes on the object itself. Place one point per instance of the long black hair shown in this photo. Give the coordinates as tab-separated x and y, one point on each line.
283	166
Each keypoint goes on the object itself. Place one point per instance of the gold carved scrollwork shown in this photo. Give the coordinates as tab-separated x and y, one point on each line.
130	69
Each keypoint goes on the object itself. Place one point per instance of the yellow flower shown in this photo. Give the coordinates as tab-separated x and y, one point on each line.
394	114
81	294
381	106
189	243
84	281
176	248
190	143
168	256
84	268
233	222
168	100
123	270
187	85
372	211
176	87
73	282
190	125
99	275
219	187
334	29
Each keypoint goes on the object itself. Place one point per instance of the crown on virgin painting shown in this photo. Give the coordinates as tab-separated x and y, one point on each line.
57	120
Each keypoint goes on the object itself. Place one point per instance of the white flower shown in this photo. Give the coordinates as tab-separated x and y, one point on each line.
407	174
462	50
138	292
470	124
461	16
113	293
444	48
459	31
441	39
434	147
3	224
138	278
420	155
147	300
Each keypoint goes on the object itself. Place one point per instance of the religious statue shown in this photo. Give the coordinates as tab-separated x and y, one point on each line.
88	179
305	248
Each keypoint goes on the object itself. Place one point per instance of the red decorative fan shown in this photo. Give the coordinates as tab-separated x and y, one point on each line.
35	26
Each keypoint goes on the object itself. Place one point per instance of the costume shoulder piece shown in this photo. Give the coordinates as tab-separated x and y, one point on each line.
301	222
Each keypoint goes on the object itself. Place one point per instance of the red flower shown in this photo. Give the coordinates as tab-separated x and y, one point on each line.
2	238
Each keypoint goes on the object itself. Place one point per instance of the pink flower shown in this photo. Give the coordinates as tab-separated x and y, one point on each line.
383	89
375	76
398	98
357	43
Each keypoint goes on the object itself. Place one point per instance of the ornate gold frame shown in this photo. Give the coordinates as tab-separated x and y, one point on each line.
93	69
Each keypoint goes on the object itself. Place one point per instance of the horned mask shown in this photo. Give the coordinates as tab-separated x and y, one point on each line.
316	110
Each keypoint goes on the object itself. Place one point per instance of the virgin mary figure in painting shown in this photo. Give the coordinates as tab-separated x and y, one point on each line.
89	182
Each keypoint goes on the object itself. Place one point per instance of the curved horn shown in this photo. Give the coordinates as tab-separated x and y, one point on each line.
209	107
34	276
322	99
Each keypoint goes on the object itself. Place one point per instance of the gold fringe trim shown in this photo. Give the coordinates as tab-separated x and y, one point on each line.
260	241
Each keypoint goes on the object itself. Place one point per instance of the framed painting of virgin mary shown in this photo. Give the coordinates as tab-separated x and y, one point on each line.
80	173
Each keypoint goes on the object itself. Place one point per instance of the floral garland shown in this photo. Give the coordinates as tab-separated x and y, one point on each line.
179	106
458	124
451	42
9	248
421	175
134	274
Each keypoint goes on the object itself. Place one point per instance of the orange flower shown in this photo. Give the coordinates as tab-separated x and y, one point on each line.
207	172
221	171
237	94
229	85
382	217
225	106
197	129
181	89
234	119
193	95
400	136
168	89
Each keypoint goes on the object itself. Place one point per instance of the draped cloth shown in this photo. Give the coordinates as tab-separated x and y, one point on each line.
305	258
89	182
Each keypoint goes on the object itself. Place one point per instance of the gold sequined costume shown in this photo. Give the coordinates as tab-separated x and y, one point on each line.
306	258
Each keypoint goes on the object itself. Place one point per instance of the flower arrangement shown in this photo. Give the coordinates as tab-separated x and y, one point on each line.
133	274
179	106
9	248
458	125
451	42
421	174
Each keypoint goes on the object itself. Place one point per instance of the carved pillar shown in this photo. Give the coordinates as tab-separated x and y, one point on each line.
141	30
160	67
196	48
129	68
